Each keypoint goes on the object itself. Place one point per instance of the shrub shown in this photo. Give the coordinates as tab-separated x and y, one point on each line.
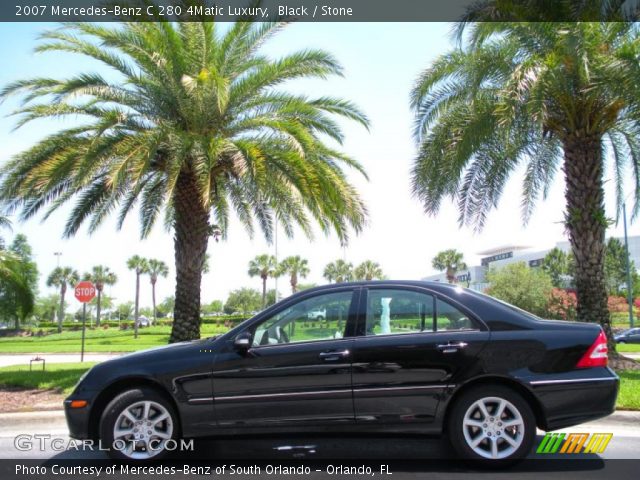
519	285
617	304
562	304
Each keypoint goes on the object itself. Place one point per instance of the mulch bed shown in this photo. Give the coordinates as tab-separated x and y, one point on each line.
18	399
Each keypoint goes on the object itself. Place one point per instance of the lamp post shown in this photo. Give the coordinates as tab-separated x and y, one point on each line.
58	255
276	251
626	251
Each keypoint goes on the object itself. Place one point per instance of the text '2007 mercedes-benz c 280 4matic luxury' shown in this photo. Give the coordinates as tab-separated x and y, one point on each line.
387	356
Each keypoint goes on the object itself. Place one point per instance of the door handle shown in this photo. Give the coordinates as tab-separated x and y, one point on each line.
451	347
332	356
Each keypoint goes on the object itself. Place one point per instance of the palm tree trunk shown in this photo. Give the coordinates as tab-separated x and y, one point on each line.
451	276
98	307
294	283
191	225
135	313
586	223
63	290
153	300
264	292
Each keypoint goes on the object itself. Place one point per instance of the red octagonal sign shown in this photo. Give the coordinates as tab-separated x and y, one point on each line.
85	291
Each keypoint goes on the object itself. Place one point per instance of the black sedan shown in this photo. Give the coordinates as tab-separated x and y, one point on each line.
402	357
628	336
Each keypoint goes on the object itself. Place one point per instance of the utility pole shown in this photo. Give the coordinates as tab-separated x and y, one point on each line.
276	255
626	250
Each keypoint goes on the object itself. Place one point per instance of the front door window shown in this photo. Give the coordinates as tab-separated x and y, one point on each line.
323	317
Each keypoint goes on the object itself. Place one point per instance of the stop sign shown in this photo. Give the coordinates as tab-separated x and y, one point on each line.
85	291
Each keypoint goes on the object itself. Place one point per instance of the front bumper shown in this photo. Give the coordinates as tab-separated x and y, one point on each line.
78	419
574	399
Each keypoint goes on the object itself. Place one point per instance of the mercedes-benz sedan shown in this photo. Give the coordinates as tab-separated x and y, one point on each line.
388	356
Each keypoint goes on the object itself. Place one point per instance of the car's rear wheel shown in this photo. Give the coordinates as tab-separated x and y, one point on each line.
137	424
492	424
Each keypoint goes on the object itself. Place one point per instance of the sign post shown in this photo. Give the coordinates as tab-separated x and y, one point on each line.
84	293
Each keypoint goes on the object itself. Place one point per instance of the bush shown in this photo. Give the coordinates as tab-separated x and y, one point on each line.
562	304
519	285
617	304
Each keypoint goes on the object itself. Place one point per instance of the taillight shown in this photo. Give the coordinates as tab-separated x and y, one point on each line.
596	356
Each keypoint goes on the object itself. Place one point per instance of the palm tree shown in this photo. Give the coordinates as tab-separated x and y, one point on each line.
100	276
368	270
546	96
61	277
195	126
450	261
4	223
156	268
338	271
264	266
296	267
14	279
139	265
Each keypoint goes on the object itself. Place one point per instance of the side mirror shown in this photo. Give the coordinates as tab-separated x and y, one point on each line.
242	342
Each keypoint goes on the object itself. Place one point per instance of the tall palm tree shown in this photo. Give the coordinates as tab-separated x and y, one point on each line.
13	278
296	267
544	96
100	275
155	269
195	126
368	270
450	261
264	266
338	271
61	277
139	265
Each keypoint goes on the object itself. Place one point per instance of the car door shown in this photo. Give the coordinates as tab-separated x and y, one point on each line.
297	369
634	336
410	345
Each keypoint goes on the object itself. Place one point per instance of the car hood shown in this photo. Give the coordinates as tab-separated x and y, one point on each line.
164	351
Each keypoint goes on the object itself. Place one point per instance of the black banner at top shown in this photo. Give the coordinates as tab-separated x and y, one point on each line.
318	10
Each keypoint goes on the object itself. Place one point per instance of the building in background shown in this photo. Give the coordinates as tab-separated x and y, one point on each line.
475	276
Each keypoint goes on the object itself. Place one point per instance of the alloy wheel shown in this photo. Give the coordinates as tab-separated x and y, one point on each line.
142	430
493	428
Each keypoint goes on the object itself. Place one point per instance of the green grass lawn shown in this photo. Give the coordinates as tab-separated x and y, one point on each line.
629	397
58	376
63	376
628	347
98	340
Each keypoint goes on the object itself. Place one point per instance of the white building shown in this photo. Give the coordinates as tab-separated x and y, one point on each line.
498	257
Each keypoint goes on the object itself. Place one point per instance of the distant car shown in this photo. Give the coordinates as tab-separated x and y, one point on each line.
318	315
144	321
628	336
402	357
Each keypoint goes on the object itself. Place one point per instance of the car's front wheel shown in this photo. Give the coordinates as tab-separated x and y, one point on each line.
492	424
137	424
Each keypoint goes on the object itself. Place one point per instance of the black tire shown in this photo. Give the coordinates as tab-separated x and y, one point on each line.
509	454
128	399
319	318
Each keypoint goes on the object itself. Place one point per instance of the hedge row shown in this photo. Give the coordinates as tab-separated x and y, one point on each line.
229	320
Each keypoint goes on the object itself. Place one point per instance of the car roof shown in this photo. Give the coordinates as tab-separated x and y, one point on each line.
437	286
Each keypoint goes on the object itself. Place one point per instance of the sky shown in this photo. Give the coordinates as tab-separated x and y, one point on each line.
381	62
